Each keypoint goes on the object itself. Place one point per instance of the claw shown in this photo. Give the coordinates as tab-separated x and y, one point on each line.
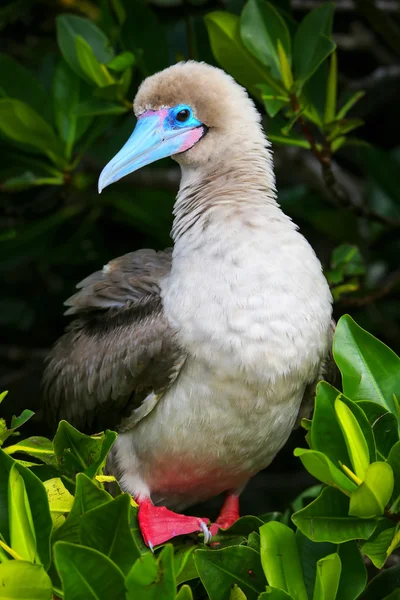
207	533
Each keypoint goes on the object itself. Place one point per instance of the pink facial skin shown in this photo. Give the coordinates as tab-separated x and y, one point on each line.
191	138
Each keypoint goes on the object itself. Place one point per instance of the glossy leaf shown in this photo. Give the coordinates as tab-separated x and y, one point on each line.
87	497
376	548
60	500
21	580
123	61
354	98
66	94
331	92
236	593
149	579
38	503
353	577
382	585
220	569
16	80
21	123
329	570
274	594
284	66
22	531
224	32
185	593
36	446
93	69
370	370
261	28
86	574
78	452
106	528
312	43
371	498
310	553
394	462
98	106
326	434
322	468
355	441
140	19
327	519
68	28
184	566
280	559
273	102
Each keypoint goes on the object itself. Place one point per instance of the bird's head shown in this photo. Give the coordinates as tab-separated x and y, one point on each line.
190	111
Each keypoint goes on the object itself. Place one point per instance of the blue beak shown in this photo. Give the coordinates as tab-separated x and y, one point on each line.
151	140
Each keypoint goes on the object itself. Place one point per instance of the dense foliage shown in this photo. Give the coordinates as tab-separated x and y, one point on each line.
68	73
62	533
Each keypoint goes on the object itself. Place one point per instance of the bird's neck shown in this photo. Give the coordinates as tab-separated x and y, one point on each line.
242	183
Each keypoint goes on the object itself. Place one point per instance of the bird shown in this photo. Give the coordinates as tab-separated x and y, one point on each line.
202	356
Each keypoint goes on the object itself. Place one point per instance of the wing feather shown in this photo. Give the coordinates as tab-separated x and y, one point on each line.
120	354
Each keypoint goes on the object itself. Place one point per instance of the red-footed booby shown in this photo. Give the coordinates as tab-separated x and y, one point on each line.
201	355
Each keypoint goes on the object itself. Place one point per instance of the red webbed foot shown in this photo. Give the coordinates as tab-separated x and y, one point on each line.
158	524
229	514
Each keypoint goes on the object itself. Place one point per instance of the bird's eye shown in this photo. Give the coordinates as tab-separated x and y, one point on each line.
183	115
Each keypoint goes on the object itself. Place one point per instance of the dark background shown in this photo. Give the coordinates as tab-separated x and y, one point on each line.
51	237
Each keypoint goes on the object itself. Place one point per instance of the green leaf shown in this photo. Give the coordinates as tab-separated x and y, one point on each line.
354	573
233	56
384	426
236	593
310	553
87	497
38	503
78	452
22	531
280	559
123	61
98	106
327	520
370	370
261	28
69	27
322	468
21	123
140	19
394	462
184	566
60	500
151	580
371	498
286	71
36	446
28	180
16	422
376	548
273	102
66	93
95	71
220	569
331	92
382	585
329	569
185	593
16	80
312	43
274	594
86	574
106	528
354	98
355	441
326	434
20	580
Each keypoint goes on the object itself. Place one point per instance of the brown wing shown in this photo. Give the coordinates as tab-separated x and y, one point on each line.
118	357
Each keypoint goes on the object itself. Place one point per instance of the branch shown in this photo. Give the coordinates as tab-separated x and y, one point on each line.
391	282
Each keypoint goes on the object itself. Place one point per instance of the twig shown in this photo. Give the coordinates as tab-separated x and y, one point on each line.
391	282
